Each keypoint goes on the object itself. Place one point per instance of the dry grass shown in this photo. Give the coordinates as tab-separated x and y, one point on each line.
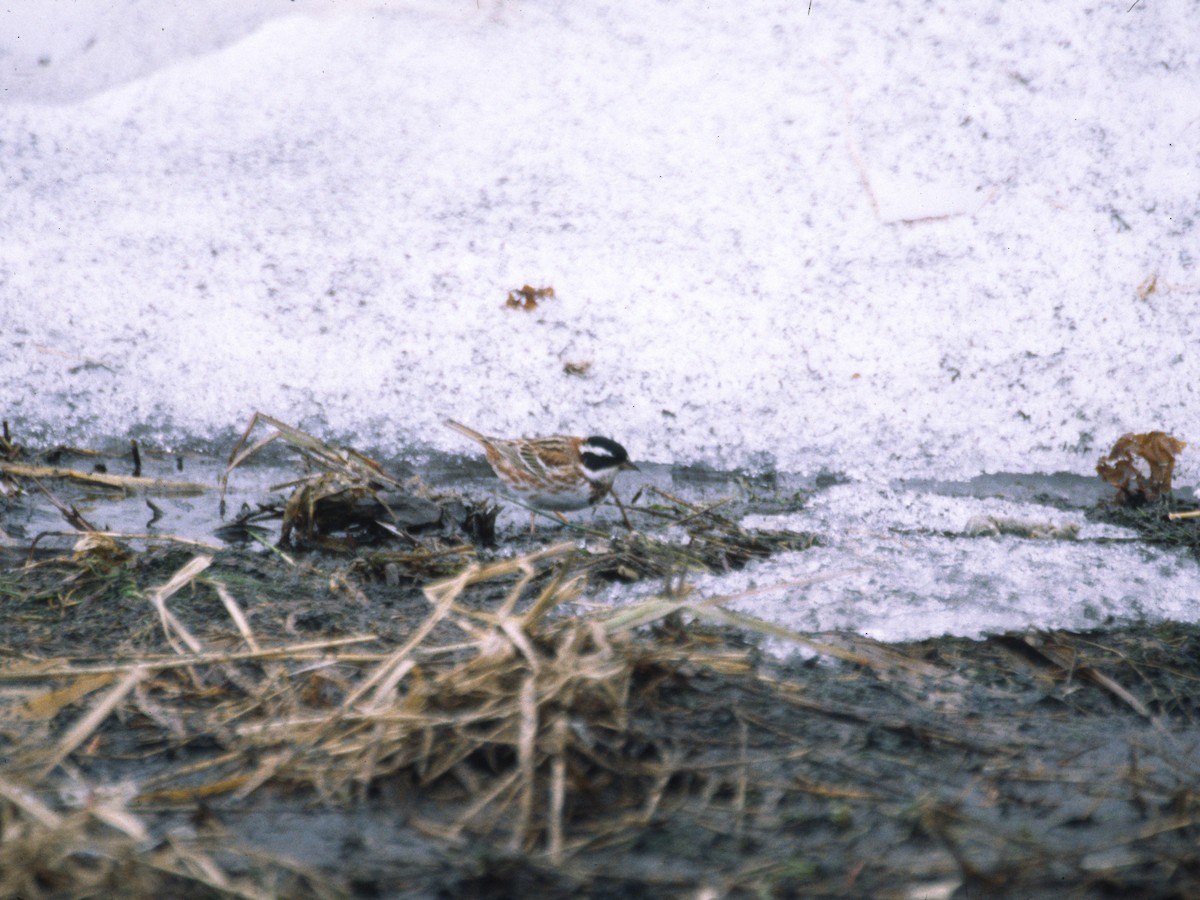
542	735
343	500
525	718
499	716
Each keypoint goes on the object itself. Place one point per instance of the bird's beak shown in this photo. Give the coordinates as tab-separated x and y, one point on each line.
628	465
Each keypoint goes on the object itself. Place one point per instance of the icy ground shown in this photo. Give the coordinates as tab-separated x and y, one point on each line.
888	239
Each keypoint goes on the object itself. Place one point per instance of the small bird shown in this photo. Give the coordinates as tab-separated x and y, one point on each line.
553	473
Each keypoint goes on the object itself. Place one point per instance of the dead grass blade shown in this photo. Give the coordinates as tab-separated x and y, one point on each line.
73	516
131	484
47	705
170	623
526	738
235	613
82	730
1049	648
28	803
558	790
302	651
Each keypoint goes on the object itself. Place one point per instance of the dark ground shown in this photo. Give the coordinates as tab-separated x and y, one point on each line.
1024	765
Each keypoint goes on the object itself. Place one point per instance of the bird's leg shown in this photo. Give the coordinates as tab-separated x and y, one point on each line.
621	507
533	520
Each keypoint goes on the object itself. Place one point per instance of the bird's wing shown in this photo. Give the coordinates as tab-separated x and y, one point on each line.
544	456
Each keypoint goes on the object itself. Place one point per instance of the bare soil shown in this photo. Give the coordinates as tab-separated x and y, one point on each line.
1024	765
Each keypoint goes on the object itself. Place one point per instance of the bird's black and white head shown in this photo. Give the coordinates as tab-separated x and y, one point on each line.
603	458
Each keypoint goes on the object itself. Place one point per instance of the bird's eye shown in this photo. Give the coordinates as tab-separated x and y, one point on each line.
597	461
604	453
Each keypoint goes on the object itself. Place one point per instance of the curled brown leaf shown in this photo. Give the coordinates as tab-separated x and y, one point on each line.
1140	466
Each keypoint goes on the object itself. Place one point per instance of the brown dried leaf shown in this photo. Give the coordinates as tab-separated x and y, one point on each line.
1140	466
526	297
49	704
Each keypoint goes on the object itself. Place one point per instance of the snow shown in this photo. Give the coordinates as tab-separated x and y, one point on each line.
888	239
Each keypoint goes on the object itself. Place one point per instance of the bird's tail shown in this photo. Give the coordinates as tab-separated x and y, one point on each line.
464	430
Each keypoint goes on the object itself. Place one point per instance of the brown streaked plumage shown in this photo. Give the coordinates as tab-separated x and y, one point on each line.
554	473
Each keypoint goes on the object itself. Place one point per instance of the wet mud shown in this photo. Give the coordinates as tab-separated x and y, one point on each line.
680	761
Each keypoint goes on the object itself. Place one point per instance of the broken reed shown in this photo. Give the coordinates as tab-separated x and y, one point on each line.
512	704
